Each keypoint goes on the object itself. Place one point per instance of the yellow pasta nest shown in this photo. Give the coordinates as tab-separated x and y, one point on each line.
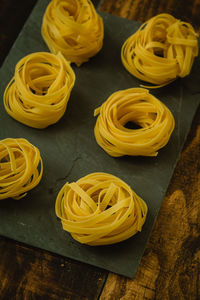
100	209
74	28
21	168
161	50
134	106
38	93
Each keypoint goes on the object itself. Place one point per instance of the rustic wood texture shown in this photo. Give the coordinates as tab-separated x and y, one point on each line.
28	273
25	272
170	266
142	10
12	17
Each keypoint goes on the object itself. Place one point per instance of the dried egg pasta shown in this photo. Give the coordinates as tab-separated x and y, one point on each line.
161	50
74	28
38	93
100	209
138	106
21	168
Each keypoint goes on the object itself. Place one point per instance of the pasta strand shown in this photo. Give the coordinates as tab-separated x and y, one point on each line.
38	94
21	168
74	28
109	214
136	105
162	49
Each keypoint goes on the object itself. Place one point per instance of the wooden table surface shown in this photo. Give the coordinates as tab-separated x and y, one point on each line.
170	267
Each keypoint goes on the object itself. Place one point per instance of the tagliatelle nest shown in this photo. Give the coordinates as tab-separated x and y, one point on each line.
137	106
162	49
21	168
100	209
74	28
38	93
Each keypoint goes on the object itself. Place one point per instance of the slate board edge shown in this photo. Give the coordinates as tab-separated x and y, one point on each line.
7	58
21	240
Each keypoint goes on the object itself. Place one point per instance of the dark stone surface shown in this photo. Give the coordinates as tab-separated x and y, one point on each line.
69	149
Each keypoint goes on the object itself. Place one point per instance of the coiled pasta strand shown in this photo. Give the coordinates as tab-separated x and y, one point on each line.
162	49
74	28
38	93
136	105
21	168
100	209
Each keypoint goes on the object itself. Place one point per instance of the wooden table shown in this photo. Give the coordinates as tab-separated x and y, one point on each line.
171	263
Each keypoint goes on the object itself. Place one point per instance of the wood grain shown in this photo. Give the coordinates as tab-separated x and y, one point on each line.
170	266
142	10
28	273
12	17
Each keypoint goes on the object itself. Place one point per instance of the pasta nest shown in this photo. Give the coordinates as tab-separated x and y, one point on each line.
135	106
100	209
21	168
38	93
74	28
162	49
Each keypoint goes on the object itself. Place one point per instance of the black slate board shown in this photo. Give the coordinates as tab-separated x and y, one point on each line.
69	149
